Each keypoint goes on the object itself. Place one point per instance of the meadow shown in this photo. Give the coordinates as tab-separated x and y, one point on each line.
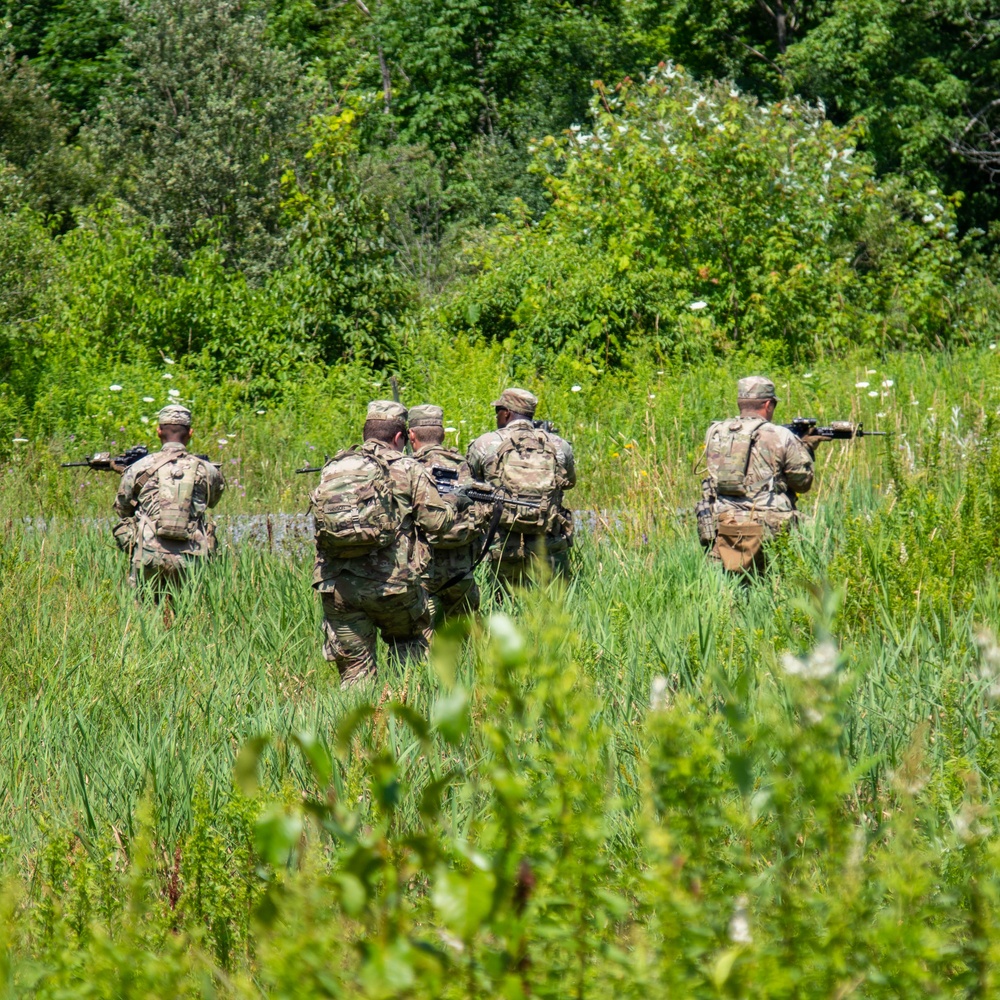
654	781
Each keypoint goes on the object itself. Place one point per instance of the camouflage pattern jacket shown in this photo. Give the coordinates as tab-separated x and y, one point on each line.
452	556
780	468
483	457
137	504
482	454
425	519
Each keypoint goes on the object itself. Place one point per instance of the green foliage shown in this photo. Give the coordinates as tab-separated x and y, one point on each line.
39	168
694	217
914	73
200	126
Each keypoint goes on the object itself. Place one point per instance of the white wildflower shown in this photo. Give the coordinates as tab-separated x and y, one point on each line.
167	375
20	440
659	694
700	304
143	420
148	399
451	430
808	375
173	392
261	413
222	441
887	384
114	388
168	361
927	218
880	415
871	371
873	393
739	923
652	395
575	388
993	347
820	664
861	385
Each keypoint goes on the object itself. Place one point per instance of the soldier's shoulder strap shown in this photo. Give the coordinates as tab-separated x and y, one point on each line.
159	460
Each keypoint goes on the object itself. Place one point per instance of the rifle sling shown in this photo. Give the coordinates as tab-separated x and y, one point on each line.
491	534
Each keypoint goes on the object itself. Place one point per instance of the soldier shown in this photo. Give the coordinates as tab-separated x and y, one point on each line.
755	471
377	512
162	500
453	556
530	463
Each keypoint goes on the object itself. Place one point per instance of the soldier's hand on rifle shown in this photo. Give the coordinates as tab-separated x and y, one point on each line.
460	497
811	440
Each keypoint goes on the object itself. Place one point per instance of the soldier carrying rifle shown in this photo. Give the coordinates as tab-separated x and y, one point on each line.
162	502
756	470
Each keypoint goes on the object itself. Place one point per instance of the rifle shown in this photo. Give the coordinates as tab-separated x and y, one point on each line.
313	468
446	481
839	430
104	461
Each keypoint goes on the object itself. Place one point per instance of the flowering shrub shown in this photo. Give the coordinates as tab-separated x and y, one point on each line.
696	217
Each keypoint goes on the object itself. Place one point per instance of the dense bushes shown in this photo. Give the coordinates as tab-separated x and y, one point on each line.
696	218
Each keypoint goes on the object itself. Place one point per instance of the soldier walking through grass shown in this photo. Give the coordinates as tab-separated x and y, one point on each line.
756	469
162	502
529	463
377	513
454	554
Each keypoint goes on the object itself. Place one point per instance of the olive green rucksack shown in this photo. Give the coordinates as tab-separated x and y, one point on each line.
176	513
354	507
728	456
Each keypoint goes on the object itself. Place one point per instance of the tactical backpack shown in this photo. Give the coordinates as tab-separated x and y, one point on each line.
728	456
354	507
527	465
465	530
175	514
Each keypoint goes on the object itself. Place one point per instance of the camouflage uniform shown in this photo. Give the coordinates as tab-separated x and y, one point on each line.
449	561
512	555
155	559
780	467
382	591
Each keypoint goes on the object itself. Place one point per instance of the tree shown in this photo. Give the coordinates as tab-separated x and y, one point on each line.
694	217
202	124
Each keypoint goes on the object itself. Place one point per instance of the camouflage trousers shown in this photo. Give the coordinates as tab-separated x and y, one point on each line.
353	617
460	599
517	559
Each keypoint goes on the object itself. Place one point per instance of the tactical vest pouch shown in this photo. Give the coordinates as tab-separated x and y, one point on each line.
728	456
354	507
739	546
528	468
175	488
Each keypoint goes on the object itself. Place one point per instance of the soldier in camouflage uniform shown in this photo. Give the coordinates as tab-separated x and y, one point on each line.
382	589
456	552
530	463
756	469
162	502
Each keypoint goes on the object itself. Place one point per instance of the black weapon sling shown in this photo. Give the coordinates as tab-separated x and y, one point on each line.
491	534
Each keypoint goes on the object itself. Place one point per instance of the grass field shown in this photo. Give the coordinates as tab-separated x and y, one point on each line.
654	782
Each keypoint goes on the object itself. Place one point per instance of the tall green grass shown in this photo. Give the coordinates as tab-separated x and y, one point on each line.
592	794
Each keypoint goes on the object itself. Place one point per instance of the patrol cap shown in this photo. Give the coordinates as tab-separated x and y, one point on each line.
174	413
386	409
517	401
755	387
426	415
